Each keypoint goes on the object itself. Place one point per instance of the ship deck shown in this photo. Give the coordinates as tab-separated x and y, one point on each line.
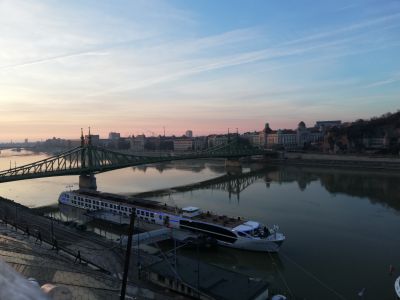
208	217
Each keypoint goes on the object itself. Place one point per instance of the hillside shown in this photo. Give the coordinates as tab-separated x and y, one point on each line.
379	135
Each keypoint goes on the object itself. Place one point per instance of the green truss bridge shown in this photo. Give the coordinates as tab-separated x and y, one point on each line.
88	160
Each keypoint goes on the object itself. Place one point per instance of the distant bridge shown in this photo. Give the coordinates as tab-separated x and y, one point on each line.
88	160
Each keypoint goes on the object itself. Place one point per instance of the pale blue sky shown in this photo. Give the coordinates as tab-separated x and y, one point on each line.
136	66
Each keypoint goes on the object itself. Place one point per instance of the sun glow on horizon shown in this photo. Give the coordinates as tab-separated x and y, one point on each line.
136	67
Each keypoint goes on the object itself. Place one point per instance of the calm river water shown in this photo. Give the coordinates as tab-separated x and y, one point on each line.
342	225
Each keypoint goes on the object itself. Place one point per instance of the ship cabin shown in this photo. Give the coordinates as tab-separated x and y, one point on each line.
190	212
249	228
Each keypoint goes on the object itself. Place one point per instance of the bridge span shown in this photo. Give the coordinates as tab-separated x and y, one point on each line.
88	160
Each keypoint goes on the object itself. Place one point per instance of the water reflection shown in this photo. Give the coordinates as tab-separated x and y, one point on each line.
377	186
334	228
198	165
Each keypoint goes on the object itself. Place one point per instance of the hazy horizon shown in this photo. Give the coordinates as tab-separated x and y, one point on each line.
136	66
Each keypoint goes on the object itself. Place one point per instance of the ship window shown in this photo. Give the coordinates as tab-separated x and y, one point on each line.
147	214
130	210
75	197
142	213
106	204
152	215
160	217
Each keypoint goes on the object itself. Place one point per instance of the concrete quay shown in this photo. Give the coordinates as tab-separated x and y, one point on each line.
27	244
337	161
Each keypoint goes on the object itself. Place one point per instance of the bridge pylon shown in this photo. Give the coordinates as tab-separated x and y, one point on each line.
88	182
233	162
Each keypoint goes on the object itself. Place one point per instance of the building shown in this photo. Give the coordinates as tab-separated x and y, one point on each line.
137	143
205	281
114	136
217	140
95	139
324	125
183	144
285	138
290	139
199	143
254	138
189	133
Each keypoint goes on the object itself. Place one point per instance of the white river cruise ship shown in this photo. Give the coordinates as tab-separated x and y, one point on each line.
227	231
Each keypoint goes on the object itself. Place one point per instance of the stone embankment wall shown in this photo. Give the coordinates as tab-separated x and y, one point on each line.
342	160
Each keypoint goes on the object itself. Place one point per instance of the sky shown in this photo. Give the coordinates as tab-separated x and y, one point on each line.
137	66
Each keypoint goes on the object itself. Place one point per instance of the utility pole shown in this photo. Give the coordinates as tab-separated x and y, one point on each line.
128	254
198	269
52	228
16	212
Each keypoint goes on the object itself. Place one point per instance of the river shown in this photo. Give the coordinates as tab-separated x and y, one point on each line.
342	225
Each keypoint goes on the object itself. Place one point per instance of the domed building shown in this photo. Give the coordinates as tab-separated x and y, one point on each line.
302	135
289	139
263	135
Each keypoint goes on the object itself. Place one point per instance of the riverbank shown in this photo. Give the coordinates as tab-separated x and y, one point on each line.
94	253
338	161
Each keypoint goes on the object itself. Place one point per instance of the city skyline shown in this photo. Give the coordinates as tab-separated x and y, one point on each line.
135	67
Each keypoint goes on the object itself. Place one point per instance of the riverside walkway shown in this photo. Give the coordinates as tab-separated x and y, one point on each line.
27	243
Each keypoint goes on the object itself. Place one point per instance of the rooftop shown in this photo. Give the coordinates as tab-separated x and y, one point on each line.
44	265
215	281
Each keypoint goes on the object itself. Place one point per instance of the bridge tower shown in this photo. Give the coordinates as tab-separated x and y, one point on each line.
87	180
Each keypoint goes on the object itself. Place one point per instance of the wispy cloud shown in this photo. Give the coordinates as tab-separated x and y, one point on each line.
157	60
350	28
392	79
